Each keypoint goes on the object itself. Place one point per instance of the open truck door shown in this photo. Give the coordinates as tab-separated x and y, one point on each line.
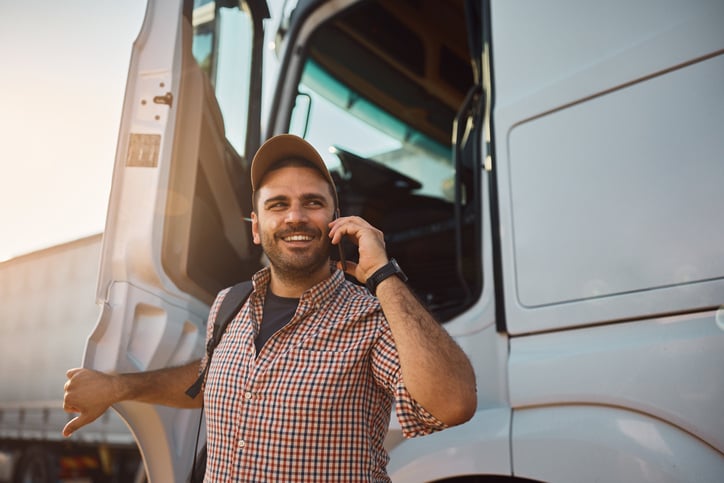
175	233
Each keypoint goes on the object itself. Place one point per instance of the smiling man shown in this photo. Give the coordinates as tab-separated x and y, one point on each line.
301	386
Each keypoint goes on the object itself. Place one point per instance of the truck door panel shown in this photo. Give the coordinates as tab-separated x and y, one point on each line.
609	161
175	234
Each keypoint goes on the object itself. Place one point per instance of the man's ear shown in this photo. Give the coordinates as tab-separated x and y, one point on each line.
256	238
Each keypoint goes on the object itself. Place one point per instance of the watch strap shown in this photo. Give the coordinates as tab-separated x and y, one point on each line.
389	269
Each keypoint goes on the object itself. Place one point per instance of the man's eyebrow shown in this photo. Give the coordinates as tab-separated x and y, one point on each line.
276	198
313	197
303	197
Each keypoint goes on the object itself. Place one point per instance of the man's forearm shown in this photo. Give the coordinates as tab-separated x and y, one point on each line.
164	386
436	371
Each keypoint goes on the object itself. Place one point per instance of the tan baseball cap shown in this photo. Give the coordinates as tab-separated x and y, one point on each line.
281	147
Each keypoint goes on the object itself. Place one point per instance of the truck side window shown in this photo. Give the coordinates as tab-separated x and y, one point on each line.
220	46
205	246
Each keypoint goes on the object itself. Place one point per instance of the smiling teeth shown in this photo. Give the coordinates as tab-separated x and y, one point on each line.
298	238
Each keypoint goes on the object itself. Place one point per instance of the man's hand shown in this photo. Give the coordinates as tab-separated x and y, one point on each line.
369	240
89	393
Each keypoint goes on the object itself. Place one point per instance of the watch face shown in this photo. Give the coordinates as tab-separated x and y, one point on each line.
398	270
391	268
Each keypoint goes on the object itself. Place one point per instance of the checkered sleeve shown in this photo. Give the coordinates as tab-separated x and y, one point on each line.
414	419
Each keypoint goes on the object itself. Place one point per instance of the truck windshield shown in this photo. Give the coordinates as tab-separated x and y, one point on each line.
378	95
364	128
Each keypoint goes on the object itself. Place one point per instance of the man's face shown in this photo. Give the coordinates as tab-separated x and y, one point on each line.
294	209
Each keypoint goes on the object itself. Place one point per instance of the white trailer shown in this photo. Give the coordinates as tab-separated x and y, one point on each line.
548	174
47	309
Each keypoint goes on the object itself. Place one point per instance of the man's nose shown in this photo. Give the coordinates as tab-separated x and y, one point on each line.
296	214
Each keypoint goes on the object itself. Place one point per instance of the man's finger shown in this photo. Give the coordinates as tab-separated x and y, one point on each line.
72	372
68	408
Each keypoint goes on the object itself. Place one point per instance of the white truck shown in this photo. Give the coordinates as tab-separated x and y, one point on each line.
47	308
548	174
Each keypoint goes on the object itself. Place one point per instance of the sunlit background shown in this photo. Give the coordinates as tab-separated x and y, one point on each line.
61	91
64	69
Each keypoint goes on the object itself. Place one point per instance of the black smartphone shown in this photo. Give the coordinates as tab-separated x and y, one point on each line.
339	247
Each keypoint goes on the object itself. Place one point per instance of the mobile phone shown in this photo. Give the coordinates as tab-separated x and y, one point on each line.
339	246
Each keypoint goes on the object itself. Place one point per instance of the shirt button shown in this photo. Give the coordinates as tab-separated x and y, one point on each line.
242	443
247	396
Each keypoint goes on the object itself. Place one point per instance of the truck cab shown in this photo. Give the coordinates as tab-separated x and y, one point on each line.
548	176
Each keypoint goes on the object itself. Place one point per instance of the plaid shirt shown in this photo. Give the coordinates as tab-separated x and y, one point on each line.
315	404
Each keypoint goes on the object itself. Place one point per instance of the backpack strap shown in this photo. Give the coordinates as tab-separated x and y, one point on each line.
230	306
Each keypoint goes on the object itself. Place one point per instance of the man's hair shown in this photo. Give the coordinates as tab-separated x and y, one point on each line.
298	163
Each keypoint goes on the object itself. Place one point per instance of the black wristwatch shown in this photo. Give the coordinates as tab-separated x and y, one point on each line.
388	270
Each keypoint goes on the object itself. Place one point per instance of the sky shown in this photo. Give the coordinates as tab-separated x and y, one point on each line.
64	70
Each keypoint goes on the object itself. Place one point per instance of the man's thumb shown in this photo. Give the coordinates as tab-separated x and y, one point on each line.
71	426
75	424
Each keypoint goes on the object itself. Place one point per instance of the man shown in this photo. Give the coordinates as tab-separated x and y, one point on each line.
301	385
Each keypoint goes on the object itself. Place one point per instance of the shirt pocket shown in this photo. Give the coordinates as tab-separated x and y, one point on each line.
317	381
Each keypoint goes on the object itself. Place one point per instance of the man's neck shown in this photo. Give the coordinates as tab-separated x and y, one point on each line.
282	286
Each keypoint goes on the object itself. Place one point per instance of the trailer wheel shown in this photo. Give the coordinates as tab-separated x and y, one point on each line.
35	466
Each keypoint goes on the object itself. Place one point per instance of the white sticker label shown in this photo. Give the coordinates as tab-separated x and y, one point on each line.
143	150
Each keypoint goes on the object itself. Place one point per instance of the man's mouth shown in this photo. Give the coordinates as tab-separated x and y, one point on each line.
297	238
298	235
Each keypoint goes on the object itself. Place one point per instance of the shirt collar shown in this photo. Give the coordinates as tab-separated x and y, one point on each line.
314	296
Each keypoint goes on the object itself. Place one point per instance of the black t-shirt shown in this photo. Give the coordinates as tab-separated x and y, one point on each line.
278	311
